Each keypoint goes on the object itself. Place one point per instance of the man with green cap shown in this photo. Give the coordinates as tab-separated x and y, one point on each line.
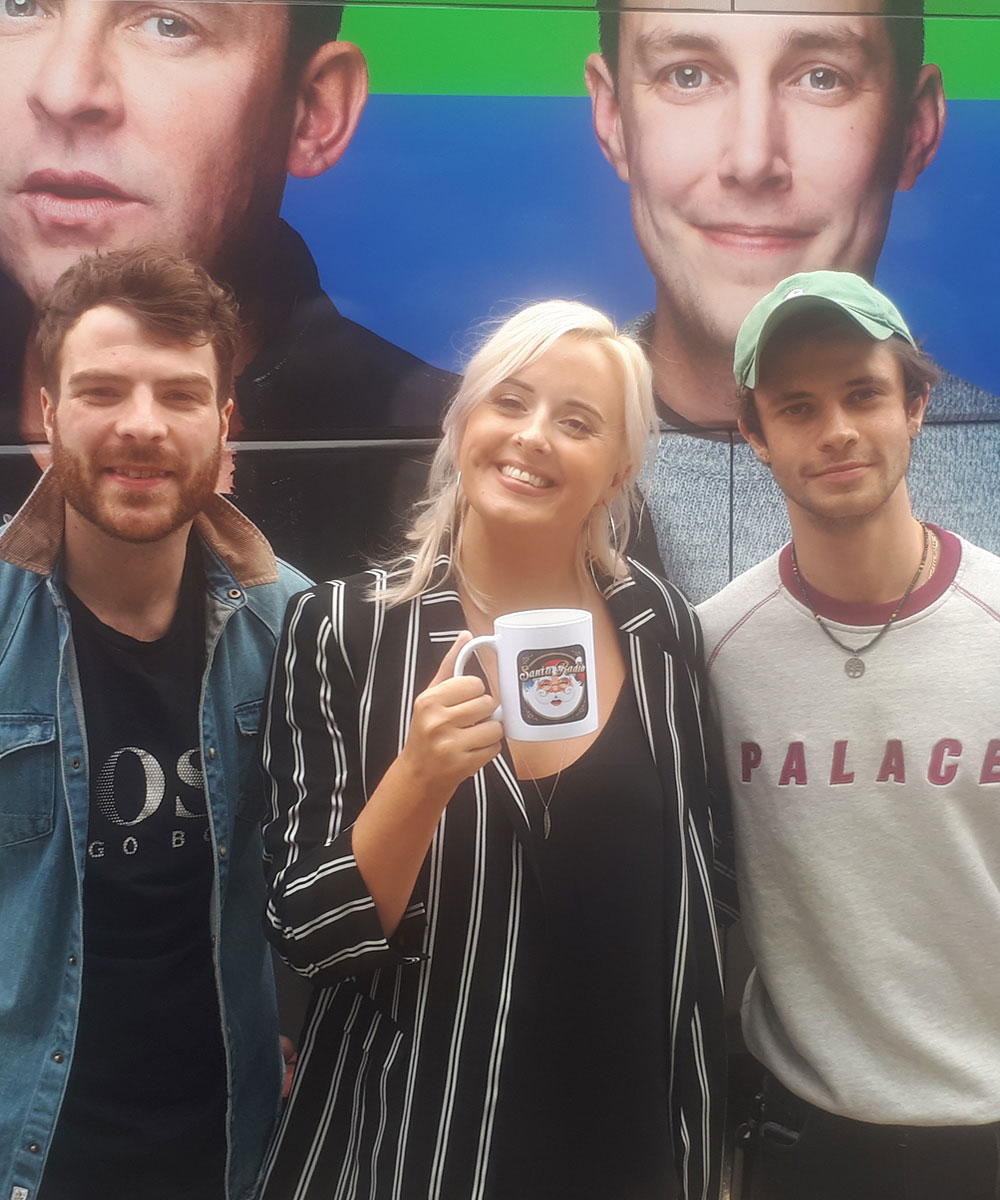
855	674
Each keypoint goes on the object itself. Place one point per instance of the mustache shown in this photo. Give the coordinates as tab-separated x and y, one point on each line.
144	458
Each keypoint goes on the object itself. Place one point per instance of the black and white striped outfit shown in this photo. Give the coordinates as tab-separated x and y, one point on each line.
402	1057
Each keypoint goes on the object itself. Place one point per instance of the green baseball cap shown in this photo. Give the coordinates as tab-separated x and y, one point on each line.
876	314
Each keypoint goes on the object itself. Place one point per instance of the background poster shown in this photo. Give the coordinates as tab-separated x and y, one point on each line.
472	183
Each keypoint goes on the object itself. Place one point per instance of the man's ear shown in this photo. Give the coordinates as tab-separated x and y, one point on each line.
332	92
606	113
757	443
924	126
48	415
915	412
225	412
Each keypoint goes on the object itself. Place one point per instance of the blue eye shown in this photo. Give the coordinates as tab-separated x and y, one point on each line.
687	76
20	8
166	26
823	79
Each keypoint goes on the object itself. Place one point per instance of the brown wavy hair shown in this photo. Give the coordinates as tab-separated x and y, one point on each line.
173	299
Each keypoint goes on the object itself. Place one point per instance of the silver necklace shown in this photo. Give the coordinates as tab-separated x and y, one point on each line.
854	667
546	802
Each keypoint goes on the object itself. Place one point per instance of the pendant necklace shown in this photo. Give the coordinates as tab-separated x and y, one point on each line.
854	667
546	802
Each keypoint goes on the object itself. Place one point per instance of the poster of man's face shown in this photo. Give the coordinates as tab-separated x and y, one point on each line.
667	166
123	126
757	145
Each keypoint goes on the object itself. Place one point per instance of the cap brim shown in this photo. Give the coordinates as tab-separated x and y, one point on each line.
876	329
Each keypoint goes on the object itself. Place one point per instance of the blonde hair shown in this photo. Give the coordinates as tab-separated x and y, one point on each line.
516	344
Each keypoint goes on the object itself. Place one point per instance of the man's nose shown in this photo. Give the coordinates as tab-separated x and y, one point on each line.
76	82
839	429
756	154
140	418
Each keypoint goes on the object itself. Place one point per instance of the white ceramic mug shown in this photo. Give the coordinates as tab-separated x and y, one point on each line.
545	664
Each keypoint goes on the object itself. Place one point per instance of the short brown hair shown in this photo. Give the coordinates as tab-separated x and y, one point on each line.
919	370
173	299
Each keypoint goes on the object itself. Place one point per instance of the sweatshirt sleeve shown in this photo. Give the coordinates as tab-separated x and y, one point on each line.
320	914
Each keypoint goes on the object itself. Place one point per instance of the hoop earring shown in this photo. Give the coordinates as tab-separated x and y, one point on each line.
614	532
590	565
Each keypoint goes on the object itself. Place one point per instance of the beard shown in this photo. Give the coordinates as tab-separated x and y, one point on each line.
138	517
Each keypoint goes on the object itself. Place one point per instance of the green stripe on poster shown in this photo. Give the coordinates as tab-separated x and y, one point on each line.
967	53
473	52
962	8
429	50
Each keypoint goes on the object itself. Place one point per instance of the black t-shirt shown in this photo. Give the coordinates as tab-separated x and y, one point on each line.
144	1112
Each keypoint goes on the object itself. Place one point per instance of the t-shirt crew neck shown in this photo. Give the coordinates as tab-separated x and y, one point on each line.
846	612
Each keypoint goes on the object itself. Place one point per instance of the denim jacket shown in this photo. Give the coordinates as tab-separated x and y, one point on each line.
44	800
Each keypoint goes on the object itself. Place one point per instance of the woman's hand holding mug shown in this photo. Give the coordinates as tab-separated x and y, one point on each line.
452	730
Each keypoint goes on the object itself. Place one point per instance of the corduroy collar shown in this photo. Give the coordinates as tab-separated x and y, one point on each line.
33	538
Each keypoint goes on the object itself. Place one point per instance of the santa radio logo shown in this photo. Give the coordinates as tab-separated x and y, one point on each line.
552	685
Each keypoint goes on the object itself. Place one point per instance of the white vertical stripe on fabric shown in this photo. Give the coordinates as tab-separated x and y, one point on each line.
308	1041
337	747
420	1003
704	877
296	738
266	757
329	1107
383	1094
684	1166
407	691
472	931
698	1047
510	781
348	1184
503	1013
349	1167
397	988
641	699
683	931
365	697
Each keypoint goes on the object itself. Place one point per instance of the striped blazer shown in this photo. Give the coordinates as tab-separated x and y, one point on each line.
402	1056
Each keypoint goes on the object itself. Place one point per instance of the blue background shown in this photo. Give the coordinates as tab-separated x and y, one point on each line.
447	210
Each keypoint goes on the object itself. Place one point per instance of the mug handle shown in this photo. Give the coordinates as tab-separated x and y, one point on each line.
486	639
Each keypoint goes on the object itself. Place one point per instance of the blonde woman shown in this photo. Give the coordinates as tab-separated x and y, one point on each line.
517	975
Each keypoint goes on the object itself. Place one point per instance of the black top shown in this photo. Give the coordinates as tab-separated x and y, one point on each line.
144	1110
584	1110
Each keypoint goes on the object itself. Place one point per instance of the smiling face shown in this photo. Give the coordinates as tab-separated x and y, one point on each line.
835	426
547	445
756	146
136	430
125	124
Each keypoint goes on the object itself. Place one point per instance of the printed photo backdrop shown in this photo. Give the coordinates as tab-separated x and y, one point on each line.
473	184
